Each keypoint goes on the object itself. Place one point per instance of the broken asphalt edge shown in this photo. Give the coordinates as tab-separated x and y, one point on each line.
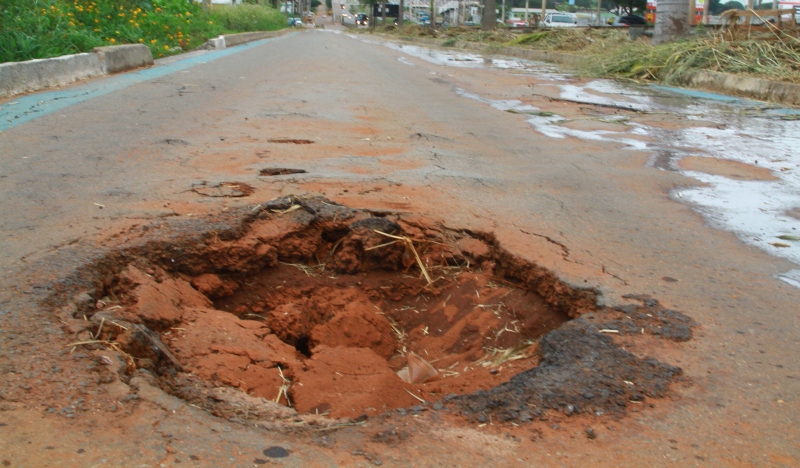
728	83
34	75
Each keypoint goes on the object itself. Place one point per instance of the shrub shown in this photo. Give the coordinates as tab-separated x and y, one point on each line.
47	28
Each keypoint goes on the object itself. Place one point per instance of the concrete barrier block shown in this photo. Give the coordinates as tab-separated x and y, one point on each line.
217	43
242	38
124	57
33	75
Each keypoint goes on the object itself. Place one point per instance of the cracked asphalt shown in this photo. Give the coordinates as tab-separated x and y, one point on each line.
394	132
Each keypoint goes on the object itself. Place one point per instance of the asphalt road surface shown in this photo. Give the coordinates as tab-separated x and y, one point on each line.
583	177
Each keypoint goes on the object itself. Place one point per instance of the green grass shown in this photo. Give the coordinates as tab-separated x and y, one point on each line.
31	29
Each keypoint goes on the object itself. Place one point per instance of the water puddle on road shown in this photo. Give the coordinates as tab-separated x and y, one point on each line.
758	201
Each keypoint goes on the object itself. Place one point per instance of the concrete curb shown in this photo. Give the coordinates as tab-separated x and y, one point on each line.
124	57
231	40
33	75
747	86
727	83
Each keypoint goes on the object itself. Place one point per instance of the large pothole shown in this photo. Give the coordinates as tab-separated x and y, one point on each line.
344	312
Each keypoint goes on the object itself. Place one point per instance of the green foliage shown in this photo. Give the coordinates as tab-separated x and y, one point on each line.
248	18
47	28
529	38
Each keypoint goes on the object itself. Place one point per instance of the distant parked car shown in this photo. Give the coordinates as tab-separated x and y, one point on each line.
559	20
362	19
629	20
516	23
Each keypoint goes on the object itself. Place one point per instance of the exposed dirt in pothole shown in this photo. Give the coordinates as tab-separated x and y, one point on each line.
318	306
224	189
278	171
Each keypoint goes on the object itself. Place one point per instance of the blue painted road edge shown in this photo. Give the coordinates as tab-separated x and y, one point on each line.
33	106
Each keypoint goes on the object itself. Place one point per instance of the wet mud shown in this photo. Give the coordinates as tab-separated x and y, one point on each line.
304	307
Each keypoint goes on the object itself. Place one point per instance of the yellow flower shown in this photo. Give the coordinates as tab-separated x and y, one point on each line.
136	25
188	21
166	47
71	23
210	22
112	40
141	40
96	20
154	41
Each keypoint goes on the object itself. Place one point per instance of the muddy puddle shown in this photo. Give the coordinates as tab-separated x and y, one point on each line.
752	196
300	307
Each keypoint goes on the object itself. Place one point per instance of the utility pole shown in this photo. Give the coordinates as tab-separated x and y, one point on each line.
489	20
432	16
671	20
599	6
544	9
504	11
706	5
526	13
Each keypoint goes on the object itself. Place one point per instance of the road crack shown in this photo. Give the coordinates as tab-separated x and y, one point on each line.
603	267
564	248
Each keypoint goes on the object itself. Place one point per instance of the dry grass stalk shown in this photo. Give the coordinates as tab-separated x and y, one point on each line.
284	389
287	210
418	398
496	356
308	270
410	244
401	334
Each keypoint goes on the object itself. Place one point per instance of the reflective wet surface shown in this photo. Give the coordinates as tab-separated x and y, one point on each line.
753	134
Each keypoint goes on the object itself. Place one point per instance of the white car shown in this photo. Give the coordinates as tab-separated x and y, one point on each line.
559	20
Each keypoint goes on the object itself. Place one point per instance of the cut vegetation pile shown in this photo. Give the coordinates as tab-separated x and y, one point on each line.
772	54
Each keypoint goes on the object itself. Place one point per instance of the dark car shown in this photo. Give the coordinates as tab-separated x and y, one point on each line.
629	20
362	19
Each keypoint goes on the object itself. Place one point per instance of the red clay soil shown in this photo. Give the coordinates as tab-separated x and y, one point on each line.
330	343
317	310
